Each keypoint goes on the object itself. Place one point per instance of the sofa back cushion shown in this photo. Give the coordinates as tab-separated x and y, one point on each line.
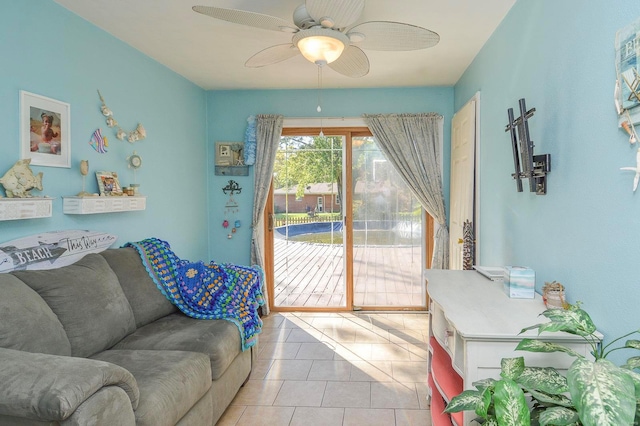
26	321
88	300
146	300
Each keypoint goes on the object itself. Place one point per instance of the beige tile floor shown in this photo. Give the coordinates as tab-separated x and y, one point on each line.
342	369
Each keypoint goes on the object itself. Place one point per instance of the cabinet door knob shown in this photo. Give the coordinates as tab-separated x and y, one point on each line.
460	241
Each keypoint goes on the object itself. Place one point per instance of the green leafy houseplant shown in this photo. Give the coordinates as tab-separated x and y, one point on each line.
593	392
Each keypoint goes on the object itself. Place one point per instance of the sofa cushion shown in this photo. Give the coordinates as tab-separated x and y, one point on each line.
26	321
147	302
51	387
170	382
220	339
88	300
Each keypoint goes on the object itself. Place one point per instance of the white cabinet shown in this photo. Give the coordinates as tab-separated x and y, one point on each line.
25	208
93	205
473	325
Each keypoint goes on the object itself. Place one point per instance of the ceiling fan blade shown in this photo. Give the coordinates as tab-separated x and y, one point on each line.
250	19
353	63
272	55
385	35
342	12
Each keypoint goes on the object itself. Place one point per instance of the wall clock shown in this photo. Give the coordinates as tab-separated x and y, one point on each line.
134	161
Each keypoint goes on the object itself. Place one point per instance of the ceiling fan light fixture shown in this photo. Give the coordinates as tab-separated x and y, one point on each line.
320	45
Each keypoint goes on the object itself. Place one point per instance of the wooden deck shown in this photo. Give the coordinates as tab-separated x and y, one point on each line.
312	275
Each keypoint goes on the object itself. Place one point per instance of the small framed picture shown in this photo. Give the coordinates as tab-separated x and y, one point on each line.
229	154
44	130
108	183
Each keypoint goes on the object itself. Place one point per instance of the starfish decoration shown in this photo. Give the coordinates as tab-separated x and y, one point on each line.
635	169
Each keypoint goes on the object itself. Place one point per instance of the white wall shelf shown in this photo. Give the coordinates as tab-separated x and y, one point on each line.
25	208
95	205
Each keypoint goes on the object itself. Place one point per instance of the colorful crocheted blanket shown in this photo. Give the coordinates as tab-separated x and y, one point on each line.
206	291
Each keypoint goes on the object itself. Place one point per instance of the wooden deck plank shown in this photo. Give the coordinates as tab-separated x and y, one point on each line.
312	275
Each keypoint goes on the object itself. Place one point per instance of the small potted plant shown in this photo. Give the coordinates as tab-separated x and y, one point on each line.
593	392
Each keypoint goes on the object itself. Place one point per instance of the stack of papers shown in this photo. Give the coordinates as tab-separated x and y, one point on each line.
494	273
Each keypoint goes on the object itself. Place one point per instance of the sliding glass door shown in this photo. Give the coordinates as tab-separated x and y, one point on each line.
344	231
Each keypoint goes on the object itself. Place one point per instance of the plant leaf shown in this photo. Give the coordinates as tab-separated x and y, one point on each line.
535	345
491	421
484	384
558	416
633	344
467	400
510	404
550	400
482	409
633	362
602	393
574	321
636	382
511	368
545	379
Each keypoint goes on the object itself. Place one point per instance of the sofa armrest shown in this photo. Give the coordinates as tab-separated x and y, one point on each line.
51	387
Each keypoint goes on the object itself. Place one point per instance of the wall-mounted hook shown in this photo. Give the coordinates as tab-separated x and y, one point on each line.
233	187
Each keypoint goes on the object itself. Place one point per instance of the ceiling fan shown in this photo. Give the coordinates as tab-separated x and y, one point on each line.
324	34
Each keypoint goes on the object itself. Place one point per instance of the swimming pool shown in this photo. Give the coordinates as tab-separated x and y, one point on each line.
401	234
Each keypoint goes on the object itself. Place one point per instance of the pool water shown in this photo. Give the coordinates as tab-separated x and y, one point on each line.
360	238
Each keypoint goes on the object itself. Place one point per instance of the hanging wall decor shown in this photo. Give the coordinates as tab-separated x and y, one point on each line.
627	91
250	141
45	134
99	142
635	169
138	134
231	207
627	87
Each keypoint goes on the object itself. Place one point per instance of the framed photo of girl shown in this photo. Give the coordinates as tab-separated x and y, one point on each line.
45	134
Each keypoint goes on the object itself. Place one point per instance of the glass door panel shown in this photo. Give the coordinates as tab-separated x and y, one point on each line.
387	233
309	266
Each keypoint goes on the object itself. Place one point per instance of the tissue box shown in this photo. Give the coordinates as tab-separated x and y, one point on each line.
519	282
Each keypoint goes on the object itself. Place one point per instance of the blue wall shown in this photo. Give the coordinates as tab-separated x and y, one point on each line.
584	232
69	59
227	116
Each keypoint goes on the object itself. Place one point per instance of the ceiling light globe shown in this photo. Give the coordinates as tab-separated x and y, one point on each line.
320	45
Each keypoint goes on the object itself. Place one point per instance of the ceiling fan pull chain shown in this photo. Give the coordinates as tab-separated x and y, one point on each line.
319	109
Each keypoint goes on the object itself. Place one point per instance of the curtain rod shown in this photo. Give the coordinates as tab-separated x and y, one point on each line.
326	122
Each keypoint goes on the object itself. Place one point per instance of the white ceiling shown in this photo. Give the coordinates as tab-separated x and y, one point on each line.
211	53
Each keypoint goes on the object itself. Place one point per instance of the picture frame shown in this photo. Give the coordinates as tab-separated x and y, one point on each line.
45	130
229	154
108	183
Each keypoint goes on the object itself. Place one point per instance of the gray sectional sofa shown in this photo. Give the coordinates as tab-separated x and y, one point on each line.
96	343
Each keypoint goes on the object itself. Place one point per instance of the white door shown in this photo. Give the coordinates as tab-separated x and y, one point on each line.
463	141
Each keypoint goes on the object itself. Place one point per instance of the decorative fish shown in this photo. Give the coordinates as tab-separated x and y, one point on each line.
19	180
98	142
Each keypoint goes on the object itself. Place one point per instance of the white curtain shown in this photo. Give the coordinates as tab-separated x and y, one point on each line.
411	142
268	132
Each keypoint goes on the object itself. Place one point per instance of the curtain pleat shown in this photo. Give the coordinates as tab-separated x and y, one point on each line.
268	132
411	143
